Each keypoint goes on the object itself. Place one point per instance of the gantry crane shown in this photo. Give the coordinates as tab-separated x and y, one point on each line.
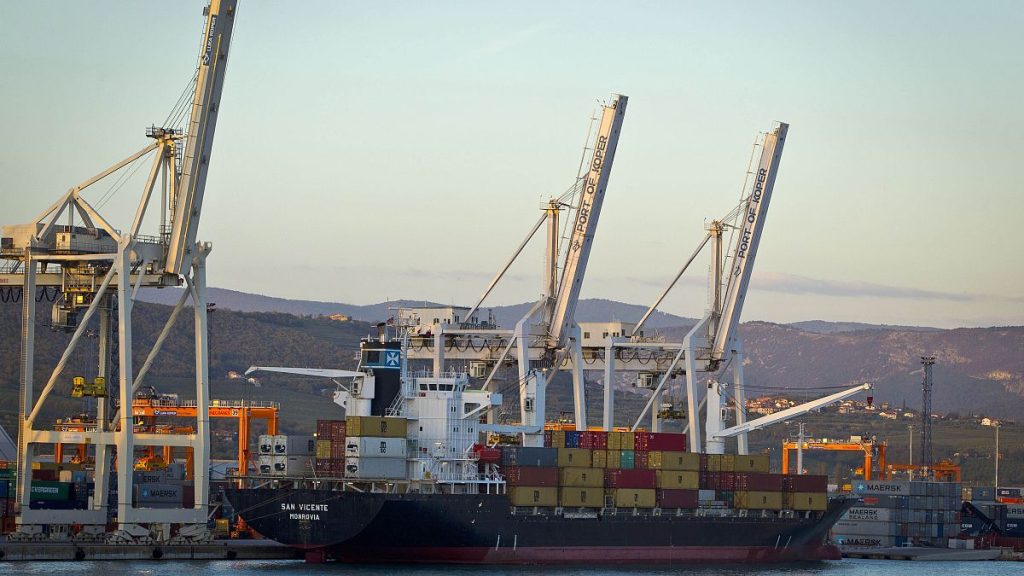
99	269
874	453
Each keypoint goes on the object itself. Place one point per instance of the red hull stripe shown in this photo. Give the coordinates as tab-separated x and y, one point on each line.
587	555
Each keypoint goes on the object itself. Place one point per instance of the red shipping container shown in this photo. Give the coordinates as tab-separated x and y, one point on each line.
338	449
531	476
805	483
759	481
641	441
600	440
547	438
641	460
44	474
676	498
339	430
630	478
665	441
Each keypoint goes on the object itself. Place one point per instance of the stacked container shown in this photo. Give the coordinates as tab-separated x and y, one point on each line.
330	448
916	513
293	455
376	447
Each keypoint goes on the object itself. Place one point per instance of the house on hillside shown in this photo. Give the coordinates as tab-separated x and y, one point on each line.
986	421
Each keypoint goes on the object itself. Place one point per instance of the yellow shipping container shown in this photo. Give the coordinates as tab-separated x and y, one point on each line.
756	500
807	501
600	458
323	449
679	479
581	497
375	426
615	441
751	463
582	477
635	497
533	496
628	441
557	438
673	461
713	462
613	459
728	463
577	457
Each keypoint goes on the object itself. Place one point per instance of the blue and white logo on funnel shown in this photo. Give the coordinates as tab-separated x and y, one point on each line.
391	358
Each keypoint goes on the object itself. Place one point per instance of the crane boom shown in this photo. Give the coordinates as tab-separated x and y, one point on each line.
753	218
588	212
188	201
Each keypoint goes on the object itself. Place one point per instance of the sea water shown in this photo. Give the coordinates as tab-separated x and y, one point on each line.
849	567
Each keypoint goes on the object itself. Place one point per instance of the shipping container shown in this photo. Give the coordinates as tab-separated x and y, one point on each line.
292	465
678	479
677	498
294	445
757	500
576	497
615	441
265	464
529	456
866	528
375	468
673	460
557	439
806	501
376	426
613	459
627	459
751	463
641	460
533	496
595	440
861	541
572	439
631	479
636	498
323	448
600	458
531	475
627	441
758	481
706	495
576	457
147	494
50	490
582	477
805	483
867	514
375	447
330	429
265	444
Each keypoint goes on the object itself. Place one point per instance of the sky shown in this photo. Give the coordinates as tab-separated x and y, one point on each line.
369	151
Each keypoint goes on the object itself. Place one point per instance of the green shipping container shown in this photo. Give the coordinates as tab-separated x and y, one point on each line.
48	490
627	461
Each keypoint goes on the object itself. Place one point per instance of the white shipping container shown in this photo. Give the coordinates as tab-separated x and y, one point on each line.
374	447
861	541
163	493
294	445
292	465
705	495
265	444
859	513
265	465
382	468
865	528
1014	511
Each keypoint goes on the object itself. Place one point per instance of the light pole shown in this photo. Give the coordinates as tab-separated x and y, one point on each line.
997	454
910	471
800	450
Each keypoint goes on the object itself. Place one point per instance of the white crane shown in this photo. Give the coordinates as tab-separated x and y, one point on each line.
95	264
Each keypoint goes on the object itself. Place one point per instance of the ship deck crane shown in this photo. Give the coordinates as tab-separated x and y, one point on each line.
100	270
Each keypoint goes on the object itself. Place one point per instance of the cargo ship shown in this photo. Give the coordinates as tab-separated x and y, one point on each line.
405	478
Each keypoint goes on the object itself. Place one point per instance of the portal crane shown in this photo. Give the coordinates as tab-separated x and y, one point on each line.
99	270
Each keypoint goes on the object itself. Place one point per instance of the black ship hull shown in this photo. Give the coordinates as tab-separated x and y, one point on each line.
485	529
